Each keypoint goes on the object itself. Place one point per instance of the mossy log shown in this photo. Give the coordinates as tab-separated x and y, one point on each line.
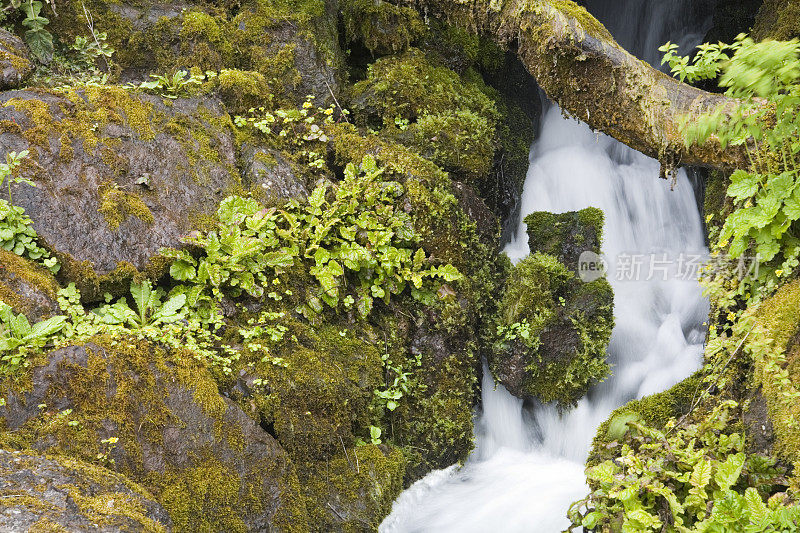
580	66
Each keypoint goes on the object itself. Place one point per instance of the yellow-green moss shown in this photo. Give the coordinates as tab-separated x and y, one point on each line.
589	24
242	90
354	491
382	26
117	204
30	273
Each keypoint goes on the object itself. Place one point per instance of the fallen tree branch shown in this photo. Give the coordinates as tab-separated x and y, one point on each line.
580	66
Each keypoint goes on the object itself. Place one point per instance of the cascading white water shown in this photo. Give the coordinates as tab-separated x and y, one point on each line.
528	464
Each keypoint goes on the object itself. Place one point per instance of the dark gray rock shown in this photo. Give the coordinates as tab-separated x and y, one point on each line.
271	174
15	61
118	175
61	494
201	456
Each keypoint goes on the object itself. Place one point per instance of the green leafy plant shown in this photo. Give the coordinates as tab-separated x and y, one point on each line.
16	333
150	310
694	478
301	130
37	37
172	86
764	77
16	231
356	243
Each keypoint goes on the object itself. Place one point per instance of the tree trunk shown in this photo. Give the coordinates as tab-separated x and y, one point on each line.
580	66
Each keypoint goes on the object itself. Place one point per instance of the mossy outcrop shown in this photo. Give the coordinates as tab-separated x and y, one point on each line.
118	175
566	235
554	327
778	20
58	494
28	288
291	45
158	418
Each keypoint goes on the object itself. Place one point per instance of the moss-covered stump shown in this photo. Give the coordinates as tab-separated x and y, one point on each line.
27	287
210	465
58	494
566	235
15	61
555	331
118	175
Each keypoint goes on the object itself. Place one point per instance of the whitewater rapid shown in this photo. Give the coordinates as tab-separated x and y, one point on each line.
528	464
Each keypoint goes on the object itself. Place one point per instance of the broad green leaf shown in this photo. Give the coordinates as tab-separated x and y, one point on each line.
743	185
701	474
728	472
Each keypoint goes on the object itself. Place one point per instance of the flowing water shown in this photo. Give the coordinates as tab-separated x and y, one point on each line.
528	463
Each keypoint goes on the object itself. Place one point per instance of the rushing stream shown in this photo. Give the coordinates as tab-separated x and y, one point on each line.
528	463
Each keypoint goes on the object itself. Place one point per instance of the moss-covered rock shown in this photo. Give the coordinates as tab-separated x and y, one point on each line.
554	331
354	491
210	465
654	411
566	235
119	175
777	19
27	287
58	494
381	26
15	61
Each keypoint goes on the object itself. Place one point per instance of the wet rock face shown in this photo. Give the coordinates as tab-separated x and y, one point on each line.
118	176
15	61
204	460
49	494
268	172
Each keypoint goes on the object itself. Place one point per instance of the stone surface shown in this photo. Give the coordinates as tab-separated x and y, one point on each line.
28	288
59	494
118	175
206	462
15	61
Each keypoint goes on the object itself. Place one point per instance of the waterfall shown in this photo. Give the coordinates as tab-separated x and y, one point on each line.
528	463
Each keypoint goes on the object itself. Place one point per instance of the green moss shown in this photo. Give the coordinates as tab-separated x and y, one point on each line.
542	296
124	386
116	205
566	235
778	20
354	491
654	410
381	26
578	13
32	274
242	90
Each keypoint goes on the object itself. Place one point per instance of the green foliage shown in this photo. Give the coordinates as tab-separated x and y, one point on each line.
18	336
353	240
692	478
150	310
302	131
38	38
764	77
16	231
178	84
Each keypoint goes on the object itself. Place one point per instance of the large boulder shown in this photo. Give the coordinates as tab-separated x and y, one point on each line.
61	494
210	465
553	327
118	175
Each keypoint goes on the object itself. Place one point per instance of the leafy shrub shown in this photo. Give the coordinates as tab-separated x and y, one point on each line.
685	478
766	196
357	243
17	335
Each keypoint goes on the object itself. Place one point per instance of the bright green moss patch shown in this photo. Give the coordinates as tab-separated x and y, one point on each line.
589	24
